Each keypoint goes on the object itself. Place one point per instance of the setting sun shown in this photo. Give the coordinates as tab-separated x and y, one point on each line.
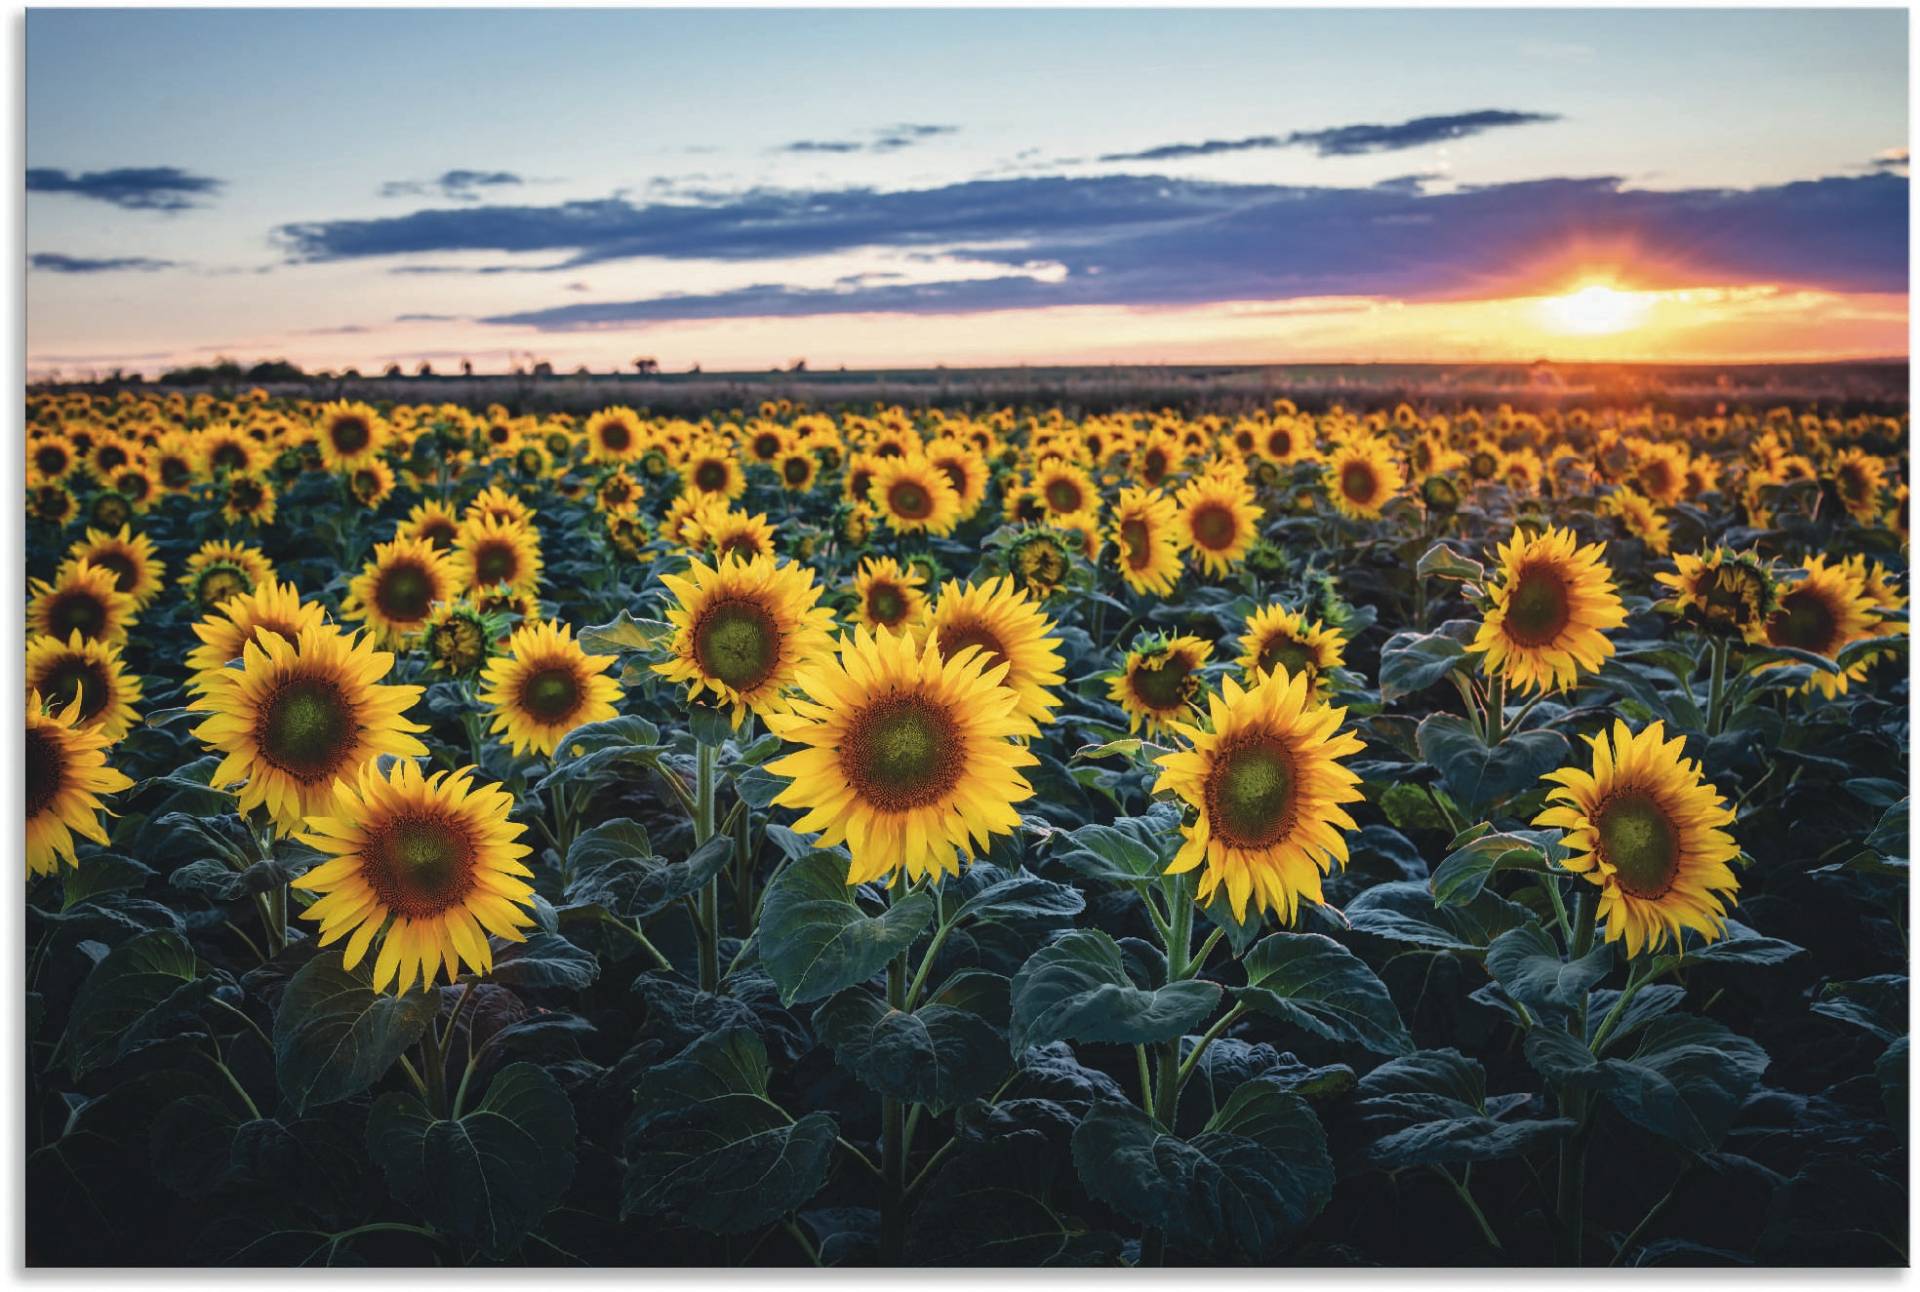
1595	310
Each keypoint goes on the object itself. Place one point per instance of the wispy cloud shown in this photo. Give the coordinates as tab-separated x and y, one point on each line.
1894	159
1348	141
132	188
53	262
888	139
460	185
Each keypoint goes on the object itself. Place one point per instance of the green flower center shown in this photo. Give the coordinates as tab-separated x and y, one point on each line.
886	604
1640	841
1064	496
1359	483
1538	608
902	753
418	866
1163	682
738	642
551	695
220	583
111	510
46	771
1283	652
405	592
1249	792
307	729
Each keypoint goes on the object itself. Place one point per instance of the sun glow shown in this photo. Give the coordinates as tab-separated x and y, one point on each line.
1595	310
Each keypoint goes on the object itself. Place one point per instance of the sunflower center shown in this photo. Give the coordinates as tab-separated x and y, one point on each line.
438	531
1805	621
418	866
1284	652
495	563
110	456
795	470
124	573
175	472
1154	466
1358	482
1064	496
1853	483
222	583
1162	683
350	434
1538	608
616	436
306	729
738	642
551	694
1639	839
956	637
50	460
744	545
72	674
765	446
956	475
1213	526
710	476
886	604
909	500
902	753
46	771
1249	792
78	609
405	592
1133	534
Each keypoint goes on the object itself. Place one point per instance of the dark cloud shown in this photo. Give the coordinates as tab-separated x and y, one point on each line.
460	185
888	139
53	262
428	318
132	188
1348	141
1892	159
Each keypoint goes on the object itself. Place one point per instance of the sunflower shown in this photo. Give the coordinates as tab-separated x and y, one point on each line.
1159	682
136	484
457	640
1644	829
1363	477
615	435
1721	591
108	454
500	504
1265	779
223	569
1858	478
136	567
489	551
767	442
1823	611
743	629
271	607
51	457
1640	518
436	855
1009	628
544	686
1661	473
371	483
300	714
1278	638
89	671
351	435
1218	521
888	596
433	521
52	504
617	494
797	469
911	759
508	604
1145	540
914	496
395	593
724	532
1547	617
83	598
247	500
67	773
1040	559
965	470
1065	489
712	471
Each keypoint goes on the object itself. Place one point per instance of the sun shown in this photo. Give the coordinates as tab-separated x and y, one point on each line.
1595	310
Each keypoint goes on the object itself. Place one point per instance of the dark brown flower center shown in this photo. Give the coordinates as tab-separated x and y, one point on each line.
962	633
350	434
1806	620
1539	607
909	500
439	531
1213	526
1639	839
738	642
766	446
1359	483
76	608
1249	790
1282	651
307	729
1163	682
496	561
50	459
902	753
46	770
551	694
796	470
616	436
125	575
710	476
1065	495
405	591
886	603
72	674
418	866
1133	536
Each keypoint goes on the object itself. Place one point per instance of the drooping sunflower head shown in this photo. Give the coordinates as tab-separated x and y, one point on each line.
221	570
743	629
1040	560
544	686
351	435
1009	628
1721	591
136	567
432	860
914	496
888	596
83	598
1159	681
1218	521
1640	518
299	714
273	607
1279	639
433	521
87	670
457	640
1265	783
617	494
489	551
1548	615
629	536
1363	477
67	772
909	758
395	593
1858	477
1644	828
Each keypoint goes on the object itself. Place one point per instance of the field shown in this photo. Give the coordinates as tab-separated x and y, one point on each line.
1095	827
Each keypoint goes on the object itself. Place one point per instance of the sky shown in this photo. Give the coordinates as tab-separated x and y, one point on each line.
741	189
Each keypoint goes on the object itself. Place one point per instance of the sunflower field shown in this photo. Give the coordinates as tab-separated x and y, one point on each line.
1016	837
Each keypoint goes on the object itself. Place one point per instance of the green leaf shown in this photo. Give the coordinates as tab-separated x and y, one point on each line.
138	993
1412	662
1078	989
1313	982
334	1035
1526	962
1442	562
1132	848
1465	872
1430	1107
1686	1079
815	941
938	1055
1891	1069
217	880
1478	774
613	866
1256	1174
545	960
1877	1004
625	633
995	1203
191	1143
1405	912
1739	946
1889	837
488	1176
99	874
623	746
1021	896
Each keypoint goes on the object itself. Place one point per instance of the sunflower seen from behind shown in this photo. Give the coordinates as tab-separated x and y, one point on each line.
1548	615
911	758
544	685
431	860
67	773
1645	829
91	672
1265	785
742	631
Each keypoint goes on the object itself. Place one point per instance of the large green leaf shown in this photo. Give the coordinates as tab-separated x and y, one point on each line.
545	960
1078	989
938	1055
1685	1080
138	993
613	866
1405	912
1017	896
1130	849
1412	662
1475	773
815	940
997	1203
1257	1173
1464	874
334	1035
488	1176
1431	1107
1313	982
1526	962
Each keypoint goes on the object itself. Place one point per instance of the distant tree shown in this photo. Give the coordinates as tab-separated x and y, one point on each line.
694	368
798	365
543	369
466	367
424	370
394	370
349	374
646	365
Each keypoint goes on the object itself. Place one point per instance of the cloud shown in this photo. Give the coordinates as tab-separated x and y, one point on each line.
1349	141
132	188
53	262
429	318
888	139
1892	159
460	185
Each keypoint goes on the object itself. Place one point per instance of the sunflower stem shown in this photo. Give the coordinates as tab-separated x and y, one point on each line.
710	894
434	1075
893	1143
1717	687
1465	1195
1146	1080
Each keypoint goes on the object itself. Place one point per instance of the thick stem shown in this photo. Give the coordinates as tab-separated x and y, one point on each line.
1573	1104
710	895
1466	1197
893	1145
1717	688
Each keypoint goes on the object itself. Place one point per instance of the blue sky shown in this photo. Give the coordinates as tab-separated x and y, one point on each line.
730	185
